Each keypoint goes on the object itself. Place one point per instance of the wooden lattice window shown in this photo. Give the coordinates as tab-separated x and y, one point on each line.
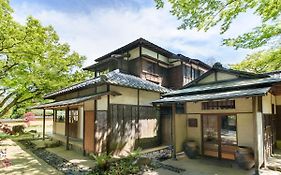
223	104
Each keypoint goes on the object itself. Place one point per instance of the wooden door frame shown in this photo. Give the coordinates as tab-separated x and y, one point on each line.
218	116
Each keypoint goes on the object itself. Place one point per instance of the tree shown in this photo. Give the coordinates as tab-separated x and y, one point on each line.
32	62
205	14
261	62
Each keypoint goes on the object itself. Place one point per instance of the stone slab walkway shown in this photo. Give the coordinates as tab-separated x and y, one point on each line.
206	166
23	162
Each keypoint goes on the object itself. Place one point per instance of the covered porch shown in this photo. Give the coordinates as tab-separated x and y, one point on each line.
72	120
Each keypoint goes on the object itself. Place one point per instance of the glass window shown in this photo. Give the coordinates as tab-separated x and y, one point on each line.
73	115
60	116
228	130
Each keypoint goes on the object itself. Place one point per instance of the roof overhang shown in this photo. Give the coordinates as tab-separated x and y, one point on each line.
215	96
74	101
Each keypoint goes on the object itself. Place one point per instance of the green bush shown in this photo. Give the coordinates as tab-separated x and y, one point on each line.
124	166
18	129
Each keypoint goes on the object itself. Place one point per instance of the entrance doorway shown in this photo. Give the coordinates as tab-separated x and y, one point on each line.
219	136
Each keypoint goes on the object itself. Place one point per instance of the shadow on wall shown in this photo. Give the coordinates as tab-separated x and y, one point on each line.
128	130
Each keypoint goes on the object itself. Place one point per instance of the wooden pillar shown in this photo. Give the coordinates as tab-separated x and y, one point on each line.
44	122
67	127
138	119
84	150
257	107
173	136
108	122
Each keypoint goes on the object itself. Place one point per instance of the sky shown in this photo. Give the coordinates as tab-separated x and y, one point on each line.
95	27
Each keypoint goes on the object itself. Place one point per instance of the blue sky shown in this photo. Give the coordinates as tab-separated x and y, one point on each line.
94	28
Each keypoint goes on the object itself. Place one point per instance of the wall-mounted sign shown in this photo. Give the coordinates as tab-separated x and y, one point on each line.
192	122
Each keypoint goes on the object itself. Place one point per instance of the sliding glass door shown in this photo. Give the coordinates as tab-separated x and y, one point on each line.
219	136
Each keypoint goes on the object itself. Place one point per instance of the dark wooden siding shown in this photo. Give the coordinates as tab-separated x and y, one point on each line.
129	132
176	77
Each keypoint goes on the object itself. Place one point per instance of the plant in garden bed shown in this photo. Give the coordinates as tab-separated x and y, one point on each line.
107	166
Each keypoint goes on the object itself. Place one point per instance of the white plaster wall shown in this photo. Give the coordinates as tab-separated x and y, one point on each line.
208	79
245	130
278	100
266	104
129	95
224	76
146	97
102	103
195	133
89	105
148	52
163	58
180	130
60	128
134	53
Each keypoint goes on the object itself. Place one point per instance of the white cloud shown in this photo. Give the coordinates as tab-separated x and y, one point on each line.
105	29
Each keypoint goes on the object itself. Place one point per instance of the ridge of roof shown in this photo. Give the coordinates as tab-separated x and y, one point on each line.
114	78
144	42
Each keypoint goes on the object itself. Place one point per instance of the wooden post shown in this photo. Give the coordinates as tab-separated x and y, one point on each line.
84	151
256	102
174	154
108	122
44	122
138	119
67	127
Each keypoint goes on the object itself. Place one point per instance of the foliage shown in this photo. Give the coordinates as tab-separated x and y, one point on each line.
32	62
205	14
102	160
18	129
261	62
107	166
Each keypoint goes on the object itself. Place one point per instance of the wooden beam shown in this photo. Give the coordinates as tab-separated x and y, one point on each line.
174	153
67	127
44	122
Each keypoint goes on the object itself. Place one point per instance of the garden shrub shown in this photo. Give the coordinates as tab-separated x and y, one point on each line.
18	129
124	166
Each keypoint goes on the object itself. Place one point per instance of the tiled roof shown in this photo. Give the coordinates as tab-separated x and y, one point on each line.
227	85
114	78
69	101
215	96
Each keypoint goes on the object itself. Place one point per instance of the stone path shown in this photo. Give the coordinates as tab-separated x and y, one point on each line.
205	167
23	162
